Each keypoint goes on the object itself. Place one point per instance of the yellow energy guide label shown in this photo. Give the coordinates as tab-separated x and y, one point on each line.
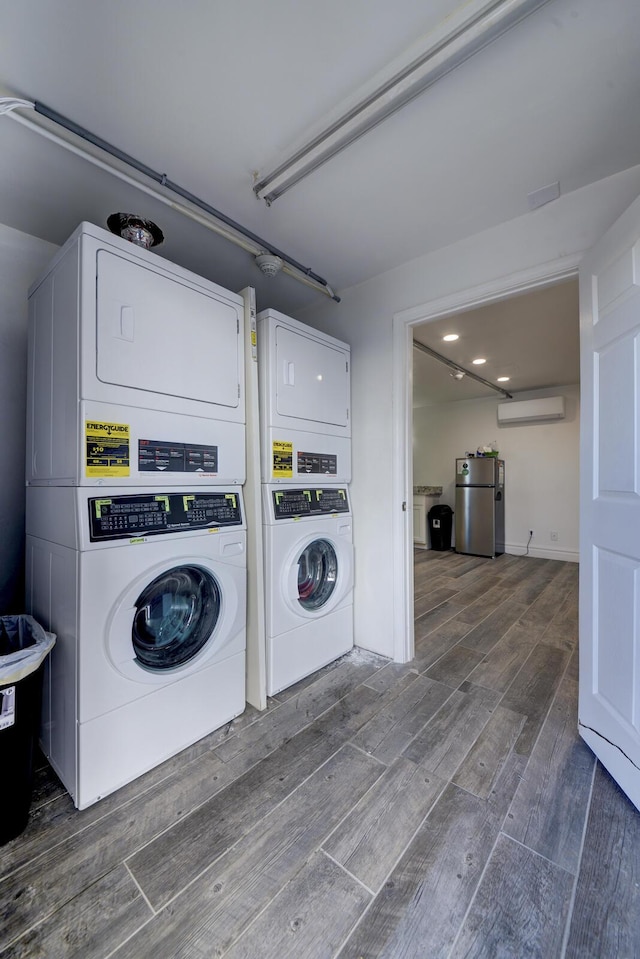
282	459
107	449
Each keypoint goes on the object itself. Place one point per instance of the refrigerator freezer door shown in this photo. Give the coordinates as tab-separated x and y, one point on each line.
475	520
476	471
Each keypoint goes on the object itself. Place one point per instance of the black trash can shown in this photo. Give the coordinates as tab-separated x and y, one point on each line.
440	523
24	646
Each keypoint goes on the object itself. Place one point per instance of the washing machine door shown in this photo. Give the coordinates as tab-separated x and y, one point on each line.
317	575
174	617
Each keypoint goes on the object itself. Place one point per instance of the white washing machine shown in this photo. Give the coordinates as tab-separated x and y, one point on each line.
308	546
136	371
305	402
146	592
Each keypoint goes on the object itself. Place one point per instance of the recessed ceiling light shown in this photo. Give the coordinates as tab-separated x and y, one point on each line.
450	337
503	379
479	361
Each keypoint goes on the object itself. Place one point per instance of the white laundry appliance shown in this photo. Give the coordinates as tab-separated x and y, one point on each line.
305	402
136	371
146	592
308	545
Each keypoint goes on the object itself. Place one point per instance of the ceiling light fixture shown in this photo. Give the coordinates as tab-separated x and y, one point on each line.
474	25
99	152
451	337
503	379
459	372
479	362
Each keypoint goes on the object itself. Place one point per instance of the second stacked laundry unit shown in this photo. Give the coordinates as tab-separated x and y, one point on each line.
305	421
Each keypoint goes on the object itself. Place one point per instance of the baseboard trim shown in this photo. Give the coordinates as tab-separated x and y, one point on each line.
520	549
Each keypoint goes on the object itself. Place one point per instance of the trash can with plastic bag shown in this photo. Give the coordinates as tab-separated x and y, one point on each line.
24	646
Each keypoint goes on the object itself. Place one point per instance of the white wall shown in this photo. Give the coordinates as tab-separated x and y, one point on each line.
541	466
22	258
364	318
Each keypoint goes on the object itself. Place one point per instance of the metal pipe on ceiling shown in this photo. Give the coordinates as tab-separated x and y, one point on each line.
459	369
215	220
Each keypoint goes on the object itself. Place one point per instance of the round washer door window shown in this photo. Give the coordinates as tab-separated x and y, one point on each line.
317	574
175	616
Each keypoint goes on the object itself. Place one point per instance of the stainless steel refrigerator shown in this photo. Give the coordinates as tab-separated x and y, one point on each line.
479	508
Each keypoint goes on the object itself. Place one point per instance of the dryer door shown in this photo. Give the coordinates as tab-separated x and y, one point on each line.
174	617
157	334
312	381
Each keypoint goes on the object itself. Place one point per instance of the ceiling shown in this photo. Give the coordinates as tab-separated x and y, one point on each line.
212	92
532	338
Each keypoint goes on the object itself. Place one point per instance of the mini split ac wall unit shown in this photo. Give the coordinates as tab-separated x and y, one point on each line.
531	411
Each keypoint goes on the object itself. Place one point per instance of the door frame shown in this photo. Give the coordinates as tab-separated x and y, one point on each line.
494	290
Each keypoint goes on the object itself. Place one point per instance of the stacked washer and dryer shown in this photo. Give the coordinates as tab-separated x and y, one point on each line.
305	426
136	536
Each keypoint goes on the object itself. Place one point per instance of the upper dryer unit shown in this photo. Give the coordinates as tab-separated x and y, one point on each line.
305	402
136	371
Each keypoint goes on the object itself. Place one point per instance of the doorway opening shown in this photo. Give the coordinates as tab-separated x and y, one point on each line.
533	339
500	299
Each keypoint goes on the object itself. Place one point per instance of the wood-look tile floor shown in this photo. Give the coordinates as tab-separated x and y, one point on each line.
442	808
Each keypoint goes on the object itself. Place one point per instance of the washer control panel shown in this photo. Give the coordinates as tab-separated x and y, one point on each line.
122	517
289	503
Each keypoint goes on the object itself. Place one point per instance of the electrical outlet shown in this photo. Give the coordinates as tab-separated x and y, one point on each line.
553	535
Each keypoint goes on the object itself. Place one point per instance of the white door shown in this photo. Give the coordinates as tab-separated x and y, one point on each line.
609	708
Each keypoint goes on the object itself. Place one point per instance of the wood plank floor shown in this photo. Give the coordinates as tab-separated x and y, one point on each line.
443	808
